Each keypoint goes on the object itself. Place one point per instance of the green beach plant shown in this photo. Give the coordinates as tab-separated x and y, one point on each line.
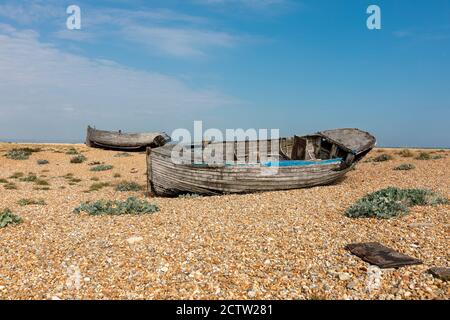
78	159
122	155
423	156
72	151
97	186
128	186
26	202
7	217
19	154
132	206
392	202
405	166
382	157
102	167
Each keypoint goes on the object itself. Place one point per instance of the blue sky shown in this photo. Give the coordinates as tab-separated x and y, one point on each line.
300	66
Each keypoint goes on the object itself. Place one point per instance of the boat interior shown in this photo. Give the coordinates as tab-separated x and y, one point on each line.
294	150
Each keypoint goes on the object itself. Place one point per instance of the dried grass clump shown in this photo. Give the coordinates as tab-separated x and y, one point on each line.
423	156
27	202
3	180
128	186
392	202
72	151
122	155
406	153
30	178
97	186
382	157
16	175
405	166
10	186
41	188
106	207
103	167
78	159
7	217
40	182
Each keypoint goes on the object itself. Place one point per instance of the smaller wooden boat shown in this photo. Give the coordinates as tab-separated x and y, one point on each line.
117	140
318	159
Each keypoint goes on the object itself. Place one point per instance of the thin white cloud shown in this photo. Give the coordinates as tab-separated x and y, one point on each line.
31	11
179	42
402	34
160	31
439	34
265	7
43	87
248	3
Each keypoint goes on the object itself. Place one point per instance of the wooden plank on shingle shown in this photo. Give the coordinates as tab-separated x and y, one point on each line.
381	256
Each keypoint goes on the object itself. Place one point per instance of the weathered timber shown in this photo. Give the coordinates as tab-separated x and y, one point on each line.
251	170
381	256
124	141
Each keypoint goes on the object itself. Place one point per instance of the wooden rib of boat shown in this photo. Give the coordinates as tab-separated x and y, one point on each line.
305	161
117	140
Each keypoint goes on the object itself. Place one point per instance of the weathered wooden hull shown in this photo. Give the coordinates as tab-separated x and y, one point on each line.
124	141
312	160
169	179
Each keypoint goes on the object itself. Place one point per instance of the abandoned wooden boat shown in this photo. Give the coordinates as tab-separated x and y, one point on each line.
124	141
305	161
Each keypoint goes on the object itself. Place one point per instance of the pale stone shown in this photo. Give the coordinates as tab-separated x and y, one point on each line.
344	276
134	240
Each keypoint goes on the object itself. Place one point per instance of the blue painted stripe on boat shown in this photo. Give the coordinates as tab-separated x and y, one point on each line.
282	163
298	163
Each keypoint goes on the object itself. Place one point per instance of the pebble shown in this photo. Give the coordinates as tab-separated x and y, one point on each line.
419	225
164	269
351	285
272	245
134	240
344	276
